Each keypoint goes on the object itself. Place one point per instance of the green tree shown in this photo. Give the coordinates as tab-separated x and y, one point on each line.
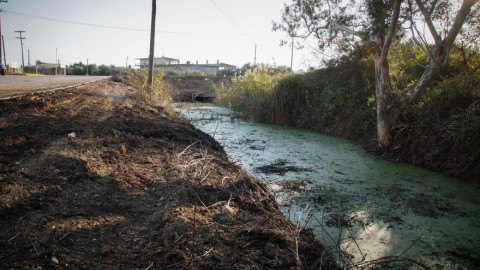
379	22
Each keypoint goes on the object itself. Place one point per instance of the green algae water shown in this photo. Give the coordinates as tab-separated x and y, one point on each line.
361	207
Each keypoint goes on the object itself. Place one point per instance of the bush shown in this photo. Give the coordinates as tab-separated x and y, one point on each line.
332	100
173	73
102	70
248	93
194	73
441	131
227	72
156	95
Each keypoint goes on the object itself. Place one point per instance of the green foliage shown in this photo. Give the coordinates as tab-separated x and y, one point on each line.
312	100
452	96
407	63
227	72
452	92
102	70
173	73
248	92
156	95
340	99
194	73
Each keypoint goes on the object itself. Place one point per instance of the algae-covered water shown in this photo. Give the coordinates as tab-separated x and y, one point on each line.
359	206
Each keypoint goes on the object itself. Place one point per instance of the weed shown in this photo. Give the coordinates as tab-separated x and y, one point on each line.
156	95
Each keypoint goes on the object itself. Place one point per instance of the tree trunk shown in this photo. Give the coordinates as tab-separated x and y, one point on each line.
382	91
438	60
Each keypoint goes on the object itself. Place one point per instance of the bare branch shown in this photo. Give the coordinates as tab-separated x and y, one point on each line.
415	59
421	43
429	21
347	30
392	30
432	8
459	20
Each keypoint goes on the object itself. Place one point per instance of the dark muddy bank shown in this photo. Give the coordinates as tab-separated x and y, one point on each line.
92	179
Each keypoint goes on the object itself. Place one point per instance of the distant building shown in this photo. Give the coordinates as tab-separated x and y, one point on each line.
45	68
160	61
42	65
172	64
14	67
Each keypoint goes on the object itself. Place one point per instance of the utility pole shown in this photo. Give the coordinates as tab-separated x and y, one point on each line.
3	70
4	57
291	57
56	55
152	46
86	73
255	57
20	32
28	57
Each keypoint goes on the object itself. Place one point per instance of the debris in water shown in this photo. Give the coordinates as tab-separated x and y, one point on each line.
54	260
280	167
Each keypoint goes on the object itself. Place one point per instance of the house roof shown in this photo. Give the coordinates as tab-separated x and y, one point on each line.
225	64
166	58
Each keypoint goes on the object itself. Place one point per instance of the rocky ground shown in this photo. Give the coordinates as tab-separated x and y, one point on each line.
90	178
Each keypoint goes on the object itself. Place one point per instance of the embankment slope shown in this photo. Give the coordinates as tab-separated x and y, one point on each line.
91	178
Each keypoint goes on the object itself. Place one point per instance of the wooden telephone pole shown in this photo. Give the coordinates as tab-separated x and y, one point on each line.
255	56
152	46
3	69
20	32
291	57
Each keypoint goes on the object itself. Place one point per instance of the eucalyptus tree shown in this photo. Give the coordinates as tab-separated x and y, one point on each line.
379	22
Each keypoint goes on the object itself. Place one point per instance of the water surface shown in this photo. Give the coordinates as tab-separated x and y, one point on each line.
368	207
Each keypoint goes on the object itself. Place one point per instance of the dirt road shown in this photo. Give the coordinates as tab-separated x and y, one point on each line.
92	179
12	85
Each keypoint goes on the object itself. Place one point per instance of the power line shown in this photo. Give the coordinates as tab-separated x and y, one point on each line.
19	25
240	28
231	20
94	25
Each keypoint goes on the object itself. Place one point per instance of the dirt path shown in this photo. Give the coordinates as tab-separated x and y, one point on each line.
11	85
133	188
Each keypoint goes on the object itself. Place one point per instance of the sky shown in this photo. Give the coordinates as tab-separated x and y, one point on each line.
189	30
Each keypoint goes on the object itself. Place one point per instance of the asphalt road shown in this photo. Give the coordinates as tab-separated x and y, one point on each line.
12	85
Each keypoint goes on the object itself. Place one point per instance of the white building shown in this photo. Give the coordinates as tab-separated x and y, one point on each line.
160	61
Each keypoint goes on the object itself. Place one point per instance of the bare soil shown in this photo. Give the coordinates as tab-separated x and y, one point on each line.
92	179
17	85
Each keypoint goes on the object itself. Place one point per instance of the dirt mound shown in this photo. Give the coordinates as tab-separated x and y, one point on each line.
91	179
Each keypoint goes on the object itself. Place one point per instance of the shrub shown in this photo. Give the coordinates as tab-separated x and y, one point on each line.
156	95
194	73
173	73
248	93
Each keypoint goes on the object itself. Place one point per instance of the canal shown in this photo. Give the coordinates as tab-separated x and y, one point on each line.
361	207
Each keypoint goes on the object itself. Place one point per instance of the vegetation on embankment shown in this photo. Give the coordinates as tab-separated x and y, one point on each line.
439	132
